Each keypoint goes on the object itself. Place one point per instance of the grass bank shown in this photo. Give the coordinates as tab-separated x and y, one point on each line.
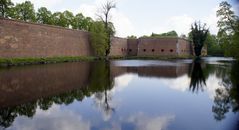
48	60
151	57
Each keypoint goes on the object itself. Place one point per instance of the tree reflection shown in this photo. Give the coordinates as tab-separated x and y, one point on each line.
99	84
197	77
228	97
102	80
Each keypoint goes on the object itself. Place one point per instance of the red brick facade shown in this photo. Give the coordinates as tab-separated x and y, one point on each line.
21	39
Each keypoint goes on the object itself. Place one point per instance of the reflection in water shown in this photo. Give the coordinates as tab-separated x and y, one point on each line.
197	76
44	87
228	97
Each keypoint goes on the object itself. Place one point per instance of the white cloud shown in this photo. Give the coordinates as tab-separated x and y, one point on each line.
122	23
41	3
144	122
211	21
180	83
122	81
53	119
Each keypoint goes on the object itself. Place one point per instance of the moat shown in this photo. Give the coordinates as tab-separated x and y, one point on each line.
121	95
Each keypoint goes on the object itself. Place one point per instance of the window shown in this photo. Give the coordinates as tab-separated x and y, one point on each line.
171	50
144	50
162	50
122	49
130	50
152	50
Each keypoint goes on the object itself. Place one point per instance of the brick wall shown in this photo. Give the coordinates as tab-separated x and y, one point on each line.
157	46
118	46
132	47
184	47
21	39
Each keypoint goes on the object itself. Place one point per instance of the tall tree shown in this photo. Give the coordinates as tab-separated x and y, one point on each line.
105	18
228	24
98	38
5	6
25	11
199	35
44	16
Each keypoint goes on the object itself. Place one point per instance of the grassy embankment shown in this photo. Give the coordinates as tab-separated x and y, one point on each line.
151	57
29	61
48	60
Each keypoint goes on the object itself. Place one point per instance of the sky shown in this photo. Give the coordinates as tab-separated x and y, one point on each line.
144	17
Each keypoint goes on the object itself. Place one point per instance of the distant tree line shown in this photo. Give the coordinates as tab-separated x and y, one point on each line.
101	30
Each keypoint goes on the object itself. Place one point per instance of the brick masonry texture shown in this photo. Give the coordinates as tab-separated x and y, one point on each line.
20	39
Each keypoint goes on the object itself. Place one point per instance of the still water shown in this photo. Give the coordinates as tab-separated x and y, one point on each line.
121	95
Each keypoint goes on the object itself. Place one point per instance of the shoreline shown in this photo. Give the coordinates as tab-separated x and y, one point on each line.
4	62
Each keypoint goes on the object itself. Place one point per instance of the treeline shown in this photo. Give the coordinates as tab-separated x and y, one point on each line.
25	11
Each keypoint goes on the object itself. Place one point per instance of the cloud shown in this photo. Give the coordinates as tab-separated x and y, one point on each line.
211	20
180	83
41	3
53	119
144	122
122	23
122	81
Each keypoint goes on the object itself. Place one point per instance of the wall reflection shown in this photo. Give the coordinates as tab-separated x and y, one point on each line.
25	89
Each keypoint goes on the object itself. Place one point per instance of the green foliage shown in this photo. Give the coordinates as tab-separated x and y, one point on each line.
24	11
69	18
105	18
199	35
213	45
132	37
167	34
99	38
27	61
59	19
5	6
44	16
228	30
80	22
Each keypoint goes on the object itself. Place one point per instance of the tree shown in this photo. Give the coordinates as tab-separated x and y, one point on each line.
199	35
59	19
132	37
5	6
98	38
44	16
228	29
105	17
167	34
69	18
213	45
24	11
77	22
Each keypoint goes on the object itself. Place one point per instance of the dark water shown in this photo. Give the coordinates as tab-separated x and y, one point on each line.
121	95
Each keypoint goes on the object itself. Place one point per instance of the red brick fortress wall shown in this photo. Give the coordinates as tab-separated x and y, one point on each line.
119	46
21	39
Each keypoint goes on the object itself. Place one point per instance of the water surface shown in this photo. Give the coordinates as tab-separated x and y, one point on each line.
121	95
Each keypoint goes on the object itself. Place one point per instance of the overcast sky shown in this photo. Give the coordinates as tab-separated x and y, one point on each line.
142	17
